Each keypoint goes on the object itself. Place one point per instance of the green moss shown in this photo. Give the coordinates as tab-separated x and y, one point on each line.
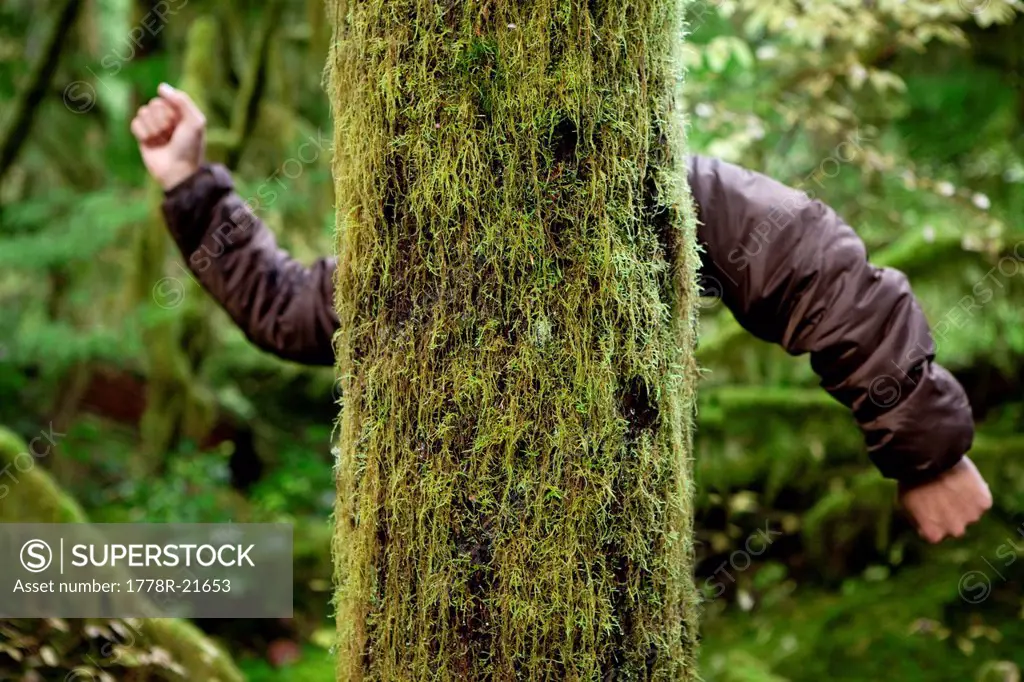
29	494
516	289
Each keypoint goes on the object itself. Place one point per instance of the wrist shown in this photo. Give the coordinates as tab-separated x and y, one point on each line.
177	174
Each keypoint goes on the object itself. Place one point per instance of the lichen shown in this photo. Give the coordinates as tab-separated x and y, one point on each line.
516	288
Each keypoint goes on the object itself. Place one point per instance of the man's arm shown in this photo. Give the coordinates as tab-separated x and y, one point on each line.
793	273
282	306
789	269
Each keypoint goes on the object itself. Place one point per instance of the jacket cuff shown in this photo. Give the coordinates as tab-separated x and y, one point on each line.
188	206
925	434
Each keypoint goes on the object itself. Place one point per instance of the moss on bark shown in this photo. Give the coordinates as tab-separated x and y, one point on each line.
516	290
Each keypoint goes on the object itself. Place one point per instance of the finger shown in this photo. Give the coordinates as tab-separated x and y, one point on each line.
137	130
976	508
933	533
158	109
183	105
163	117
145	118
172	113
152	121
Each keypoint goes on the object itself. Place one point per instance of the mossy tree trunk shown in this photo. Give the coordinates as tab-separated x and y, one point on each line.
516	291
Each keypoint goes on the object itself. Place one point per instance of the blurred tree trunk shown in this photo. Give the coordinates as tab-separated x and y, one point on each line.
178	404
516	291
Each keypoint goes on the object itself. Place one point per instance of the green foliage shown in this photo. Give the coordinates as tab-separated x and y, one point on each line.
316	665
65	229
305	486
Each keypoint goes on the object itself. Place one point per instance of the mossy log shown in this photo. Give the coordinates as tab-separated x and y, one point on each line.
36	498
516	291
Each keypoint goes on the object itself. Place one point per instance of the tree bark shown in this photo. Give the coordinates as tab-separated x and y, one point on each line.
516	289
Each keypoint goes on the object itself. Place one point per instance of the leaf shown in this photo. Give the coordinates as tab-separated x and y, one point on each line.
717	54
324	638
49	656
886	80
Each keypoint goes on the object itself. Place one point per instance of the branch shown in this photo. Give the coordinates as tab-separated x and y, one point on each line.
246	105
20	122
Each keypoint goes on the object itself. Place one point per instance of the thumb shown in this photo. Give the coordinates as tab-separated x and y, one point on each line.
183	104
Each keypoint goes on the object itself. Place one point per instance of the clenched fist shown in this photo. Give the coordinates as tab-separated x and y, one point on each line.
171	132
946	506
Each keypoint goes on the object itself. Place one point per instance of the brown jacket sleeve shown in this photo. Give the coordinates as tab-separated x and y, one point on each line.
793	273
282	306
789	269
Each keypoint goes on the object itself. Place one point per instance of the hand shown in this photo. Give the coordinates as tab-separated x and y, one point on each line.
171	132
946	506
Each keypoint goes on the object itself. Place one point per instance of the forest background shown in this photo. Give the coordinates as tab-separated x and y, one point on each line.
907	117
